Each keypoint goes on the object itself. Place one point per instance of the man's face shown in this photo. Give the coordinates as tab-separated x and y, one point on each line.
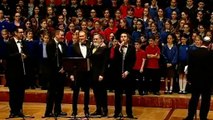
124	38
96	40
5	35
19	34
82	37
60	36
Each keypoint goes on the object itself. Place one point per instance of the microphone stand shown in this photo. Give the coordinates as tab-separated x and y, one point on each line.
22	59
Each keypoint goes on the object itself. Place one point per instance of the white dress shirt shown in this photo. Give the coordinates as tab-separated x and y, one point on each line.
83	49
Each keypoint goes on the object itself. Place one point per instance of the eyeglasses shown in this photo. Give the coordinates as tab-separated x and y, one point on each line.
17	16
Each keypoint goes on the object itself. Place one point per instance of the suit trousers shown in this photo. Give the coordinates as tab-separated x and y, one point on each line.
16	94
100	96
55	93
205	94
127	87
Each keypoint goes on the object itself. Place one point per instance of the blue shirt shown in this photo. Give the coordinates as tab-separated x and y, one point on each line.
183	53
170	55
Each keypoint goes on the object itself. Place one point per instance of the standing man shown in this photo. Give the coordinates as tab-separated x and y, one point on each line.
125	56
98	62
81	79
15	72
55	52
200	76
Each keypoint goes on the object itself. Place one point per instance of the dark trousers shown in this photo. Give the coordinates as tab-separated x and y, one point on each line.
153	79
16	95
126	86
139	81
44	73
55	93
76	90
205	94
100	96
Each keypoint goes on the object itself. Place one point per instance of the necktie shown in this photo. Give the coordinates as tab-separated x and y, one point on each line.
94	50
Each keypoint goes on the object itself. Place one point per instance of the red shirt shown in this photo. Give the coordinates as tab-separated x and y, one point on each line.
140	56
108	31
138	12
123	9
68	36
152	63
91	2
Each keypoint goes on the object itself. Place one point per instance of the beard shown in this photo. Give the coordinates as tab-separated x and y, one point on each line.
96	44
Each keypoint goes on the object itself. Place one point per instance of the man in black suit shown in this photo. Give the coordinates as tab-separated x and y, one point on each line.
125	57
200	69
81	79
15	72
56	50
98	60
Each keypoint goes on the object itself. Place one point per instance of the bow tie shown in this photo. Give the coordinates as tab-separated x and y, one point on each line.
60	43
83	44
124	46
19	41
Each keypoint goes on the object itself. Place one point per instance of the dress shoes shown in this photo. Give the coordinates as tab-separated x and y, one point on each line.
49	115
21	114
116	115
130	116
74	113
60	114
188	118
12	115
156	93
86	113
104	114
96	113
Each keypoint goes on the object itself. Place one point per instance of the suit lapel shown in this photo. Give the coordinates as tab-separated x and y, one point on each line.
15	45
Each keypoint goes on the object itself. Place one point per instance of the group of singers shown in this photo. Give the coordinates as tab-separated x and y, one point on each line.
102	59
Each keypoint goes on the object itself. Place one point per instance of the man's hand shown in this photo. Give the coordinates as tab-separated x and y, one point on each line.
100	78
61	70
125	74
23	56
72	77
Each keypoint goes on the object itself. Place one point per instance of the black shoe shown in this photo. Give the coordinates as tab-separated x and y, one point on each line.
188	118
116	115
130	116
61	114
49	115
104	114
74	113
21	114
86	113
156	93
12	115
96	113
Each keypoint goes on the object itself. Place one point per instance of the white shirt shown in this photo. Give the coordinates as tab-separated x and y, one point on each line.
18	44
124	50
83	49
44	50
59	46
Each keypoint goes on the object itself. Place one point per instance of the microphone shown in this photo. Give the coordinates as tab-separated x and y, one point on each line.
23	56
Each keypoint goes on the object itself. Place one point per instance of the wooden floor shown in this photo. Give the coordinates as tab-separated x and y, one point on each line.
142	113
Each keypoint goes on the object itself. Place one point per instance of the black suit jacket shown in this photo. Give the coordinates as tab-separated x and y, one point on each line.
14	66
54	55
98	62
81	77
77	51
200	68
129	61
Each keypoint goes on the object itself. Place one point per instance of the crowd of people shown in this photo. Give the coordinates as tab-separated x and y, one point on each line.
131	44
